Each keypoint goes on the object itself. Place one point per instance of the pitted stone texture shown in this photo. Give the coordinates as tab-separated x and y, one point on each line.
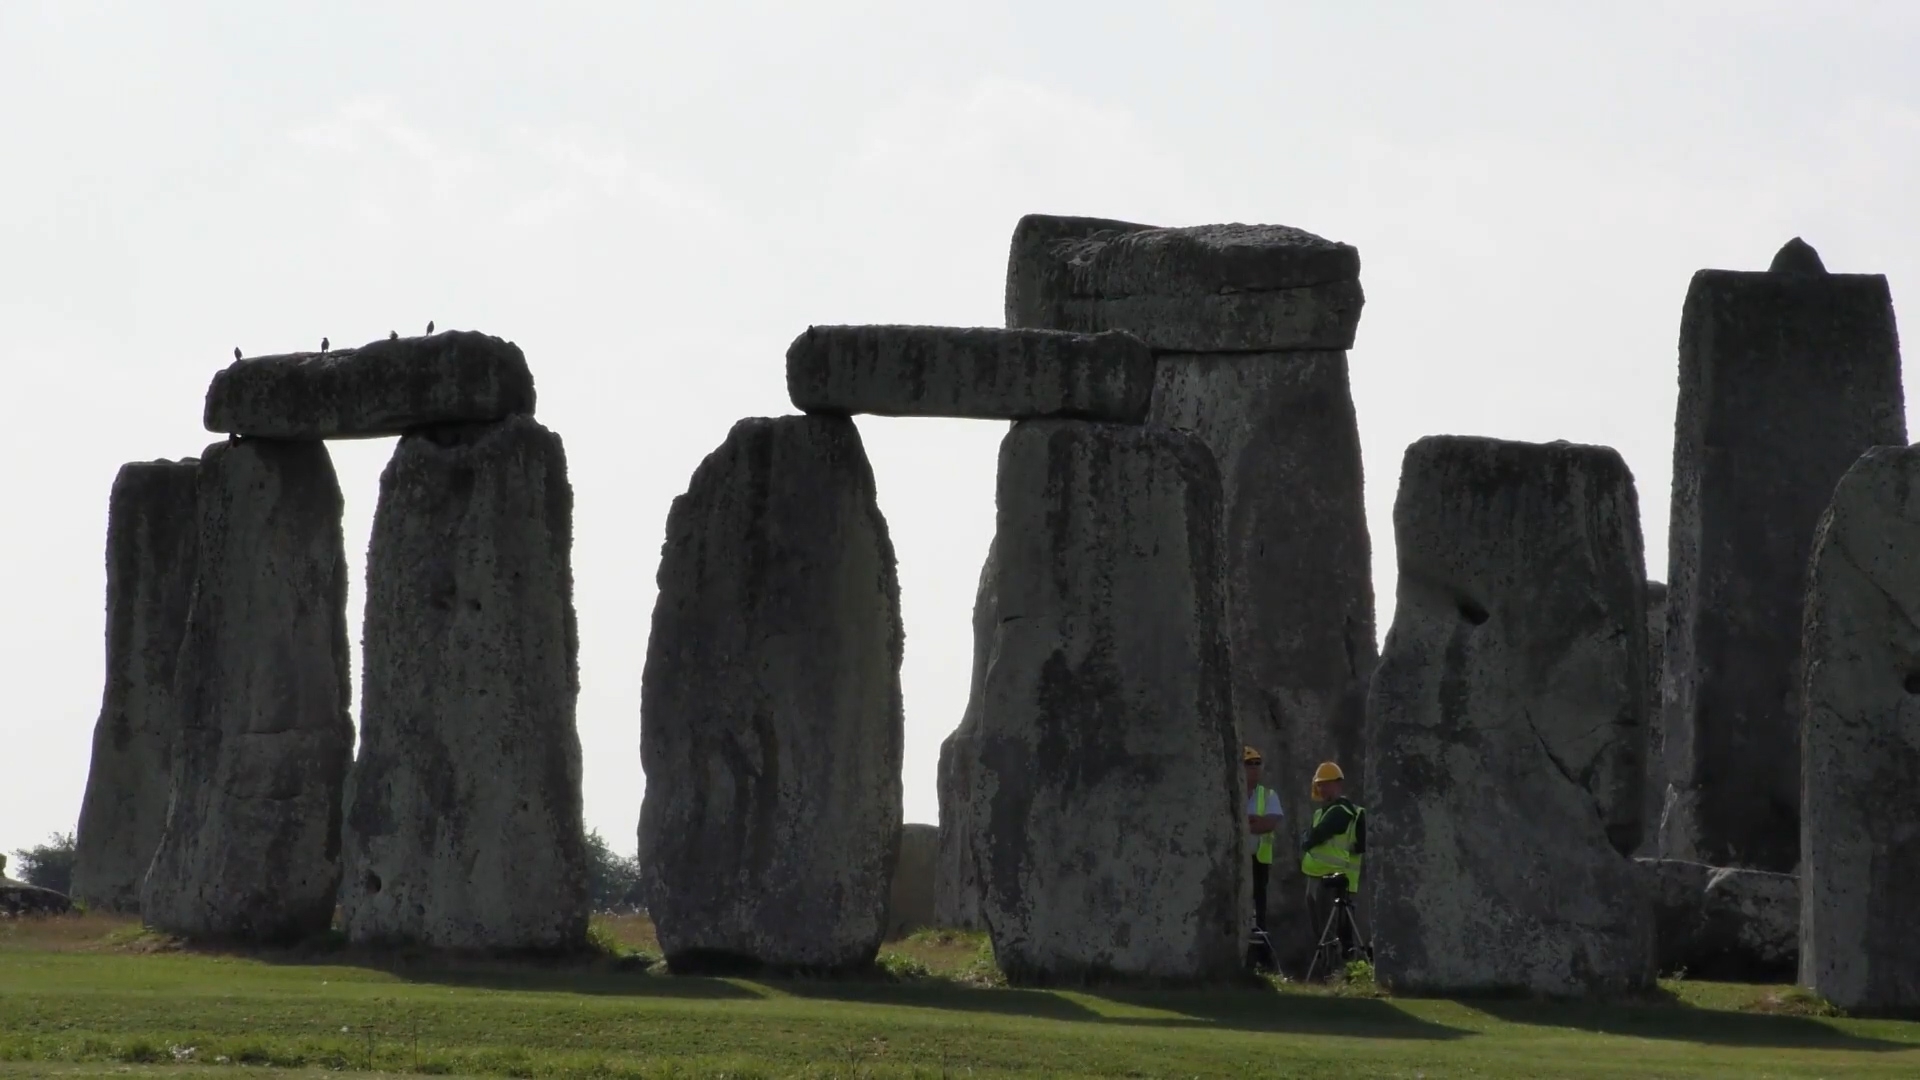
1655	793
1785	380
1106	821
978	372
381	388
1721	923
251	847
957	890
151	530
1504	725
463	817
1299	567
771	723
910	903
1860	826
1208	288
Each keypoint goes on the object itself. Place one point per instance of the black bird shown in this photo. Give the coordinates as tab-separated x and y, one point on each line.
393	335
323	344
429	326
236	352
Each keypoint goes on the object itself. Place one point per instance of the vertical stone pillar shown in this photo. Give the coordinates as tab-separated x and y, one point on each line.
251	847
957	889
463	818
1655	791
1786	378
1107	826
151	531
1860	809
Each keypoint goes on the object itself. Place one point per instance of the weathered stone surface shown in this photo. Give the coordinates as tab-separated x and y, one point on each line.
910	903
1504	724
957	888
151	529
771	723
17	898
1106	820
1860	824
1655	795
1208	288
463	818
1724	923
1299	568
381	388
1785	380
251	847
979	372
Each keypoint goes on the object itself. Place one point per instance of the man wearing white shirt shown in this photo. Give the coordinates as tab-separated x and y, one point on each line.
1264	818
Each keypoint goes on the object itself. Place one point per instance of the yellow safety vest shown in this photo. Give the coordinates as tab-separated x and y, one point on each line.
1263	853
1335	855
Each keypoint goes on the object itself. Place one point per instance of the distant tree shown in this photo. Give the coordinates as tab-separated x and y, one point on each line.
49	865
613	882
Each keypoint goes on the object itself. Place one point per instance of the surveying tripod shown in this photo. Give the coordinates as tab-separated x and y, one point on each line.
1329	954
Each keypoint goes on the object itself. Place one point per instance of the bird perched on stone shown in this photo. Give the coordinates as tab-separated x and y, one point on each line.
393	335
323	344
236	352
429	326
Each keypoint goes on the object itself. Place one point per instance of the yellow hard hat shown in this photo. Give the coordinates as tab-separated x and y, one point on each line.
1327	771
1249	756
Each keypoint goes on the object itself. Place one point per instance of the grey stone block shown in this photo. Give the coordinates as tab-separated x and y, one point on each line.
151	534
1723	923
957	890
381	388
1505	725
1655	791
1785	380
251	846
1208	288
978	372
1860	823
771	724
1107	828
910	902
463	816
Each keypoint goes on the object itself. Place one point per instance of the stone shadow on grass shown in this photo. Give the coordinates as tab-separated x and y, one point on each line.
1661	1016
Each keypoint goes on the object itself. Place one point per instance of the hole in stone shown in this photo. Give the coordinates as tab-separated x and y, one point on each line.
1472	612
373	882
1913	683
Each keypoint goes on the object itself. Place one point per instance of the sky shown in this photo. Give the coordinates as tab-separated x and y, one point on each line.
652	199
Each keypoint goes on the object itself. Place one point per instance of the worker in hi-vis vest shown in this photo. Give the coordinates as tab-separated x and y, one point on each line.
1332	848
1264	818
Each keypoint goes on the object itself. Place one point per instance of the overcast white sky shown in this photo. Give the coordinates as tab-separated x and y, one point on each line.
653	198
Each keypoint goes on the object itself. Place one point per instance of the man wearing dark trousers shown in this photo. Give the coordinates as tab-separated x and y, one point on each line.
1333	848
1264	818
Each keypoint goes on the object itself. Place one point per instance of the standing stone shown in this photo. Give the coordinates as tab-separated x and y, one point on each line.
771	727
151	528
1654	806
1299	569
1107	827
957	886
910	902
251	848
1860	827
1716	922
463	820
1786	378
1504	725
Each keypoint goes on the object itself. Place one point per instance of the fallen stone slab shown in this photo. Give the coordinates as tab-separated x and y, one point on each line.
957	886
978	372
1505	725
251	846
1786	378
770	719
1207	288
910	902
381	388
151	532
463	813
1106	817
20	900
1724	923
1860	823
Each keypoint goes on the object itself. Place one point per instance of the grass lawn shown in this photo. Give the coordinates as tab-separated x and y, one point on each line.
94	997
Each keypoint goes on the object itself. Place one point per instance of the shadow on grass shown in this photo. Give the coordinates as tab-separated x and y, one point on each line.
1662	1016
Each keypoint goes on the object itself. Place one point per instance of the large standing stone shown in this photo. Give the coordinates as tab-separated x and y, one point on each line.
771	722
1208	288
151	529
1655	794
1860	826
463	821
1786	377
251	848
1299	567
1107	827
957	885
910	902
1717	922
381	388
979	372
1504	724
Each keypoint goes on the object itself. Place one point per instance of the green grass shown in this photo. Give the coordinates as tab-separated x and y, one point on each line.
93	997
